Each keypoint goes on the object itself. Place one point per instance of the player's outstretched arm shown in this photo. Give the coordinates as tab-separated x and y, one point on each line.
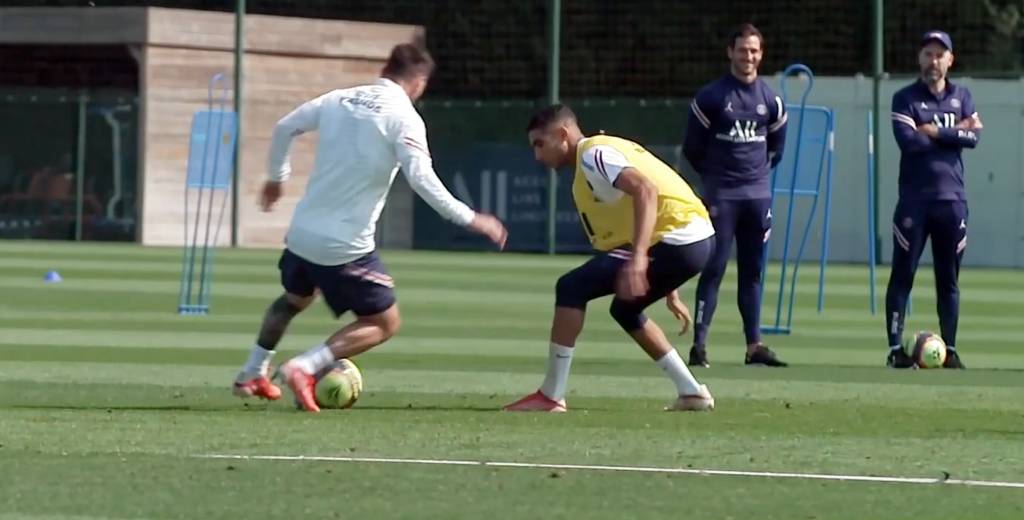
490	227
417	165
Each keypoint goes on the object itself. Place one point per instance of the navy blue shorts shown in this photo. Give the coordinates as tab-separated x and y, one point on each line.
670	266
361	286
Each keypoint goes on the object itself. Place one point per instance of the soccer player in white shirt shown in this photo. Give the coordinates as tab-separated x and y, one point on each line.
365	134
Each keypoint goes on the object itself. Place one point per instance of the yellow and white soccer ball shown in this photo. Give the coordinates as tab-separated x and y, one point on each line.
928	350
339	385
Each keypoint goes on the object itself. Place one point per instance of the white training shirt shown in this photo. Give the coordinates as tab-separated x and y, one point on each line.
364	134
602	164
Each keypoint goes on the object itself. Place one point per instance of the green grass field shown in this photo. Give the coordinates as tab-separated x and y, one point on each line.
108	400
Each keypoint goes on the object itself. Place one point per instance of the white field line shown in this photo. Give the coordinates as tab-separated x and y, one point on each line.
629	469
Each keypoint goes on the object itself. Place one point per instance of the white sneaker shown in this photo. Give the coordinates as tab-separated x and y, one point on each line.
700	402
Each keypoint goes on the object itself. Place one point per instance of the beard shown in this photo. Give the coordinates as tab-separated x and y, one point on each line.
744	68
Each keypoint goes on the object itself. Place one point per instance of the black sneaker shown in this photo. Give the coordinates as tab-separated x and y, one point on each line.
953	360
764	356
898	358
698	357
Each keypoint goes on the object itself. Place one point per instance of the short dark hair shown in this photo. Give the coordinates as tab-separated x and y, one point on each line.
550	115
743	31
407	61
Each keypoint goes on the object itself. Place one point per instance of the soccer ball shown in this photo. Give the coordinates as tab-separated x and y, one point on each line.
929	350
339	385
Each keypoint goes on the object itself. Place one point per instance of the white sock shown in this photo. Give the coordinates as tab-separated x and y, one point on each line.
557	379
259	361
676	370
315	359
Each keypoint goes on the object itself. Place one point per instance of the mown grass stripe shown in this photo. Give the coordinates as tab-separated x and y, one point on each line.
428	382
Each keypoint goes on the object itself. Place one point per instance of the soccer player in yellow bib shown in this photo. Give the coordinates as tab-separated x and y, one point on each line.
651	234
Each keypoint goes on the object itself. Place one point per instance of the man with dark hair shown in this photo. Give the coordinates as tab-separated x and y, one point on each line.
652	233
735	136
933	120
408	61
365	134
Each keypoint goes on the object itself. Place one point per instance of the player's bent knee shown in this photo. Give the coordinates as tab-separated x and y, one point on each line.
295	303
388	321
288	305
628	316
393	325
570	292
564	285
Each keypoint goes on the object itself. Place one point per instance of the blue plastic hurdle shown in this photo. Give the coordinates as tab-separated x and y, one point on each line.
210	162
808	157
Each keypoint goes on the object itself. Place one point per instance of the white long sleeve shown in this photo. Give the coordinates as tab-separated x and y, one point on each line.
414	159
305	118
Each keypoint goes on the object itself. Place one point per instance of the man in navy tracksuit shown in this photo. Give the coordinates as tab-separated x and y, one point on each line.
933	120
735	136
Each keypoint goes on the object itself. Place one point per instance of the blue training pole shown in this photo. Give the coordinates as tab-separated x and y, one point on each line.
796	67
807	227
204	269
823	262
232	121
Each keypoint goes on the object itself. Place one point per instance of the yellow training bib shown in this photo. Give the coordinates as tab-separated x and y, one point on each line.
610	225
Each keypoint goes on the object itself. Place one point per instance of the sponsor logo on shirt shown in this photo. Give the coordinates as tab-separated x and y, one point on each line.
742	132
364	99
944	120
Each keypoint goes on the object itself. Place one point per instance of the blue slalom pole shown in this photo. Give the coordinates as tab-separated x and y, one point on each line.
823	261
795	68
807	228
205	269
